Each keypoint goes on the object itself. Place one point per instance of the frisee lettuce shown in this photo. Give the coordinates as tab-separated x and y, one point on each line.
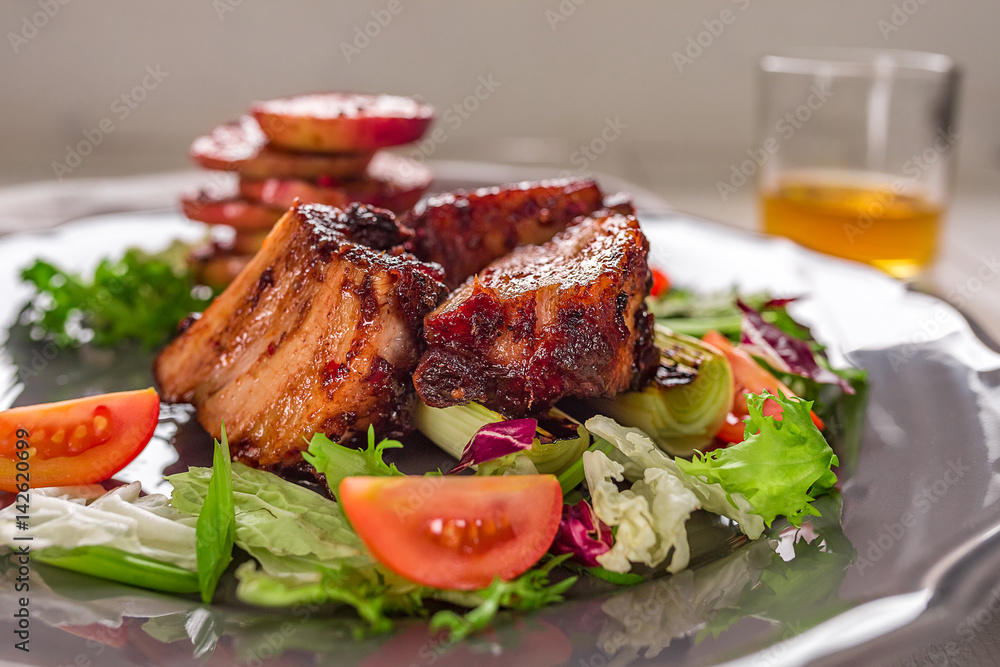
531	590
780	466
337	462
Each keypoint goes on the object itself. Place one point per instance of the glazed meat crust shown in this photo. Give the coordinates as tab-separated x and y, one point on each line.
320	333
465	231
566	318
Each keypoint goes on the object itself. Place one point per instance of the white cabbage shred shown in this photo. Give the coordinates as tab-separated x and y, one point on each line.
650	517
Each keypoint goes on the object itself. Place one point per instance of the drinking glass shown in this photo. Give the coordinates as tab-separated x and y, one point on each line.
857	151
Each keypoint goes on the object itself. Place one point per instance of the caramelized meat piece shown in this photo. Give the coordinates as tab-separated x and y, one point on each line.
465	231
566	318
319	333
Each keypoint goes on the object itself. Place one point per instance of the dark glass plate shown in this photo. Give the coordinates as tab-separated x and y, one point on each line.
918	546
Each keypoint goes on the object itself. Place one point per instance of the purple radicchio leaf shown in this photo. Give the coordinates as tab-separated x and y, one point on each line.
582	534
778	303
495	440
786	353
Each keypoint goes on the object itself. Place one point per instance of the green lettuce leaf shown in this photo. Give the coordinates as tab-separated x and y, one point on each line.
337	462
216	523
780	466
274	516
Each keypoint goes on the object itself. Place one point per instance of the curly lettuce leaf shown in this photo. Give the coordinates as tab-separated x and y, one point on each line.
337	462
636	452
780	467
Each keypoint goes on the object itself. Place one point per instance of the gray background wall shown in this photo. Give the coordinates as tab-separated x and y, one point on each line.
563	69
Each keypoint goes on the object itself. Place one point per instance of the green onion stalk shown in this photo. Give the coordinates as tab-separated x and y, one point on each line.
559	440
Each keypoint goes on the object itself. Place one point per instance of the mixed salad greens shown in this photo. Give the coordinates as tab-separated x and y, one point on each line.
738	426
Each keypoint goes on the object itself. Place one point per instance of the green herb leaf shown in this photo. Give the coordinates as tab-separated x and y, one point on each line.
780	466
216	525
337	462
138	297
529	591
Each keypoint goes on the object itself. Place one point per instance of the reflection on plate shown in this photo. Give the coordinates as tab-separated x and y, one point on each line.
917	513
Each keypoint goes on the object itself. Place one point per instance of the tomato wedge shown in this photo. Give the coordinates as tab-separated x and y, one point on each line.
661	283
83	441
455	532
750	378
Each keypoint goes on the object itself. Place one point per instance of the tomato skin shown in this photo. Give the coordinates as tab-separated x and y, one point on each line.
750	378
661	283
81	441
454	532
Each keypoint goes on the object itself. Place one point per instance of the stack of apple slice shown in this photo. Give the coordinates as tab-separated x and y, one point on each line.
317	148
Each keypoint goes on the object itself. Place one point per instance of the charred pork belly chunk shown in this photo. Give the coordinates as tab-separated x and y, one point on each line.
465	231
566	318
320	333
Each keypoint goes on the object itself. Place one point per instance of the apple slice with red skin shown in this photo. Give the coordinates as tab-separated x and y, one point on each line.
391	182
241	146
216	265
248	241
342	122
237	212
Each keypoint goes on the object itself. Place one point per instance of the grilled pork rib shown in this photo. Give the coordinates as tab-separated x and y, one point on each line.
319	333
465	231
566	318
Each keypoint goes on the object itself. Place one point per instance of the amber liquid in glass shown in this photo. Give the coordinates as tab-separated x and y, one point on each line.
869	222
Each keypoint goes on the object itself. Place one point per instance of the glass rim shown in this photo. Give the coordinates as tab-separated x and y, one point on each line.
856	62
